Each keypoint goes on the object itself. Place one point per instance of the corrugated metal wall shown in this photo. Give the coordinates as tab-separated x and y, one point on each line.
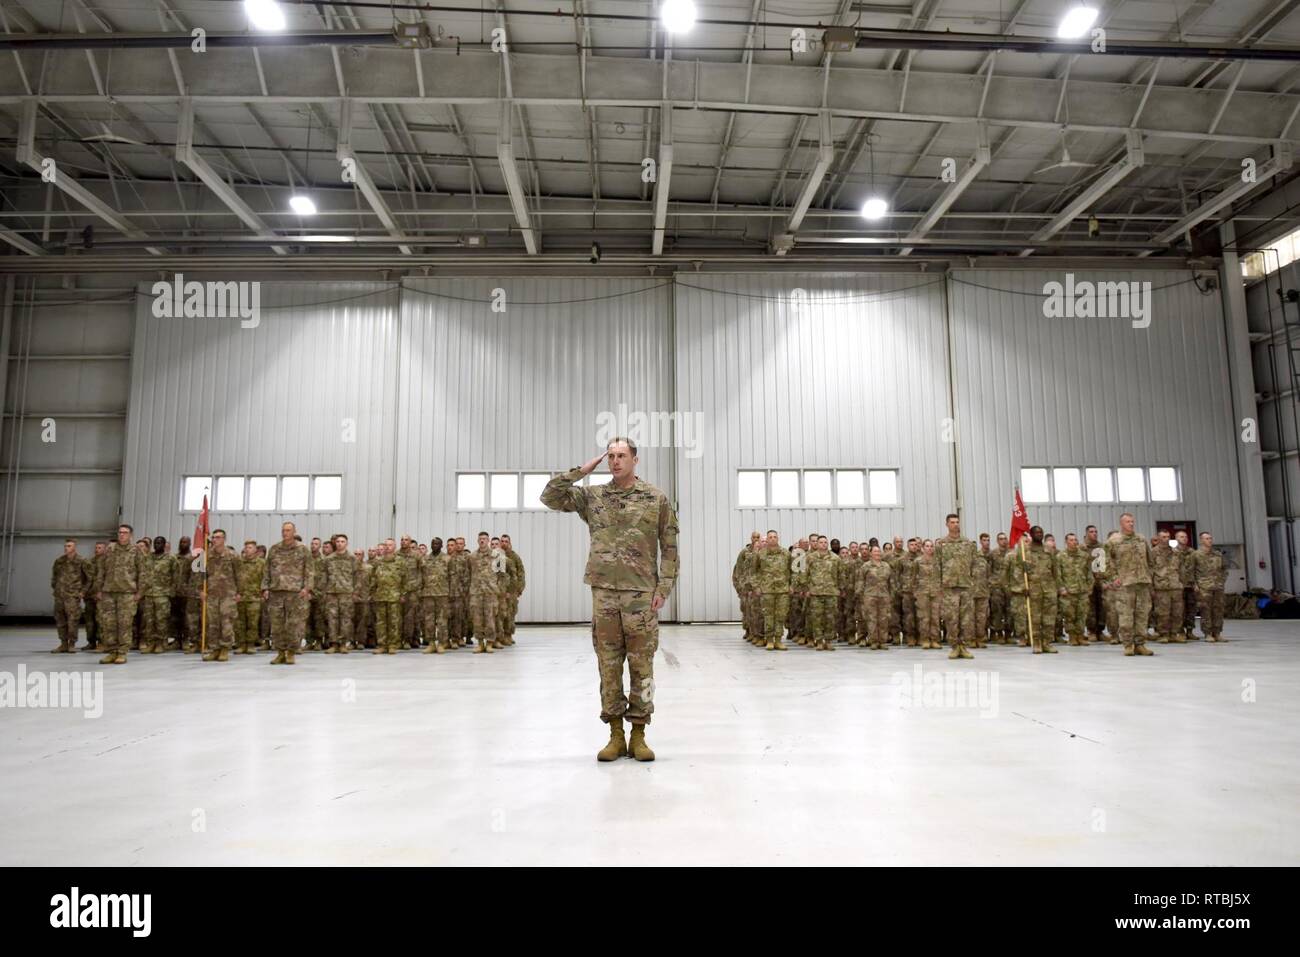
209	397
1056	392
806	371
521	390
78	342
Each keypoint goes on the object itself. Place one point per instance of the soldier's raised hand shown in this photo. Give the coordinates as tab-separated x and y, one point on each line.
591	466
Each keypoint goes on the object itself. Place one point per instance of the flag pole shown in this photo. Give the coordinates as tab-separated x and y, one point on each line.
203	607
1029	612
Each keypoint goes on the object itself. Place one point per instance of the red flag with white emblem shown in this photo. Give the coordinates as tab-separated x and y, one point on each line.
1019	520
200	542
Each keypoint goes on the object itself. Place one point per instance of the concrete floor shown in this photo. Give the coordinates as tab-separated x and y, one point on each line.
796	758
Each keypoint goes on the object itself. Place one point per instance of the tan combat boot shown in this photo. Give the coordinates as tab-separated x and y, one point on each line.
278	659
779	645
63	646
288	657
212	655
1142	649
108	658
119	658
332	650
1128	649
617	746
1048	649
223	654
963	651
430	650
637	747
379	650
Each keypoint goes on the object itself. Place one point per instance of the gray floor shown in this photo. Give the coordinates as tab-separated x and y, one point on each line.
805	757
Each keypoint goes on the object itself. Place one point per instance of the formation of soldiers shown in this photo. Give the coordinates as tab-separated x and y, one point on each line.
290	597
925	593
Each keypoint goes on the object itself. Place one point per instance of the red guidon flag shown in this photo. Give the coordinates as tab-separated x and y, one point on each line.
200	542
1019	520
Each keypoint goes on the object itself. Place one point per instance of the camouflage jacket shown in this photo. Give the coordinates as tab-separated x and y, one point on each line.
1167	568
435	576
410	559
633	532
1128	557
387	579
70	577
997	559
1096	559
955	556
458	574
223	573
875	579
1187	571
338	574
927	575
249	572
517	578
744	570
848	573
980	575
1209	570
773	575
361	592
822	577
124	570
187	580
482	579
1039	565
1074	571
161	578
288	567
905	573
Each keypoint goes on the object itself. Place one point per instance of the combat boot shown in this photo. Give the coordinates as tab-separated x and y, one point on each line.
1128	649
108	658
637	747
771	644
288	657
379	650
779	645
963	651
1142	649
278	659
1178	638
430	649
159	647
212	655
63	646
1048	649
617	746
119	658
332	650
223	654
956	650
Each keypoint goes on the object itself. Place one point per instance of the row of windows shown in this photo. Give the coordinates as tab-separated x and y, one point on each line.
503	491
263	493
817	488
1099	484
1273	257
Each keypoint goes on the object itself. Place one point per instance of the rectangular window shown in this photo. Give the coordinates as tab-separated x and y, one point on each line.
261	493
817	489
751	489
1164	484
883	484
193	488
471	491
1101	485
230	493
293	493
327	493
1066	486
849	488
505	490
1033	485
1132	485
599	478
534	483
785	489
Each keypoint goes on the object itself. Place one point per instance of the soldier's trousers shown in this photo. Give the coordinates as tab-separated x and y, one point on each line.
92	623
895	615
157	618
776	606
1132	605
503	612
337	609
388	623
929	609
959	614
67	615
483	615
625	626
998	610
874	612
909	621
248	622
1039	608
795	619
821	616
1191	605
221	622
193	620
410	617
434	618
264	627
1074	612
1167	608
287	612
361	630
1210	602
1112	613
315	621
980	617
456	617
116	620
844	616
1096	609
512	612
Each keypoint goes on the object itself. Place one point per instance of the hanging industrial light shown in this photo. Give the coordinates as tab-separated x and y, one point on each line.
677	16
264	14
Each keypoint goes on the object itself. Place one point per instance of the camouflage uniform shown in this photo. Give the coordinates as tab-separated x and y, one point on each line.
339	583
1210	573
999	622
905	585
633	560
316	606
410	559
458	610
484	588
504	574
773	582
69	579
289	570
1167	593
875	601
1129	559
248	614
435	588
387	582
187	592
156	603
1096	553
956	558
93	565
223	587
927	593
742	579
1074	569
797	620
979	599
822	582
362	633
1033	609
846	613
895	561
121	580
1188	573
518	581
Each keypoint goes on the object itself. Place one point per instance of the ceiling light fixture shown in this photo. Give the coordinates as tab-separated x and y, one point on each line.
1076	22
677	16
874	208
264	14
302	205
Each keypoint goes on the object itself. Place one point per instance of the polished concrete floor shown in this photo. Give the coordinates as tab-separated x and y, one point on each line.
1191	757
